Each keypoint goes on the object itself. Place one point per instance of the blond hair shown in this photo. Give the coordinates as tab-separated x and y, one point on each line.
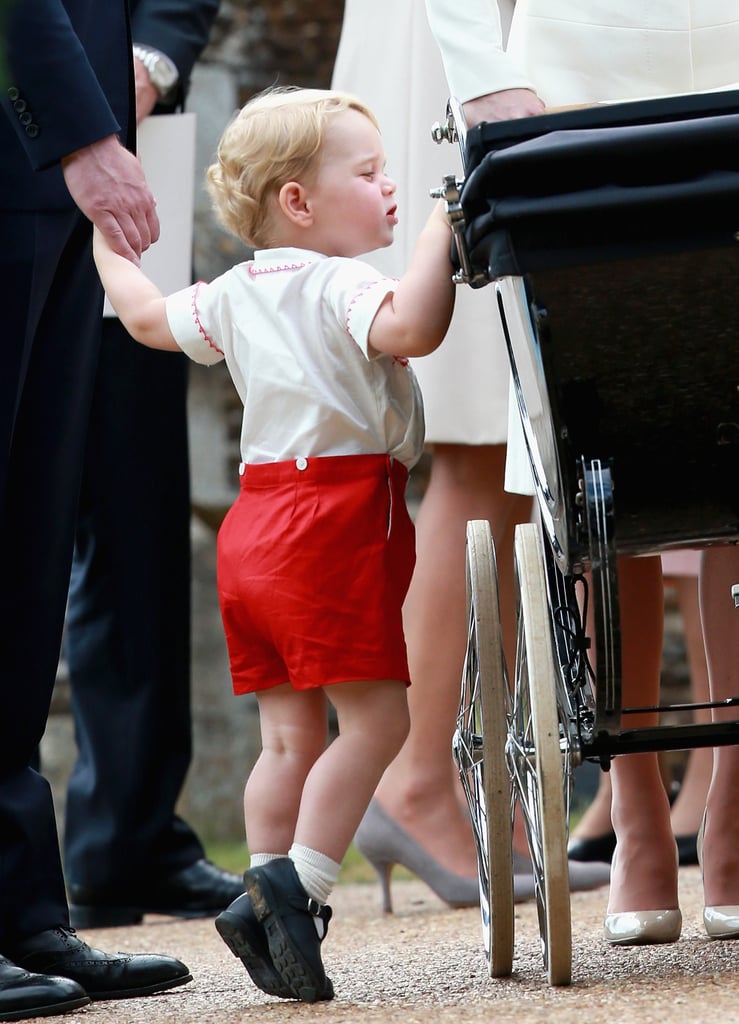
277	137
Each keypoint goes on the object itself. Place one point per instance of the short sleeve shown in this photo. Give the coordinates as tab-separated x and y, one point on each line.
355	292
189	313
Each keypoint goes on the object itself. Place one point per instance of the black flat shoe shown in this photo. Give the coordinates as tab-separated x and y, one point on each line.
24	995
687	849
288	915
59	951
200	890
598	848
244	936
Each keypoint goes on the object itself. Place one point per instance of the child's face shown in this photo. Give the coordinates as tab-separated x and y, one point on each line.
353	199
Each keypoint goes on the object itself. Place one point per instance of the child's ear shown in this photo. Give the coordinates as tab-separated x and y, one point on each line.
293	200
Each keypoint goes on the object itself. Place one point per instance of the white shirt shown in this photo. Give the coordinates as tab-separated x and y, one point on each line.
293	327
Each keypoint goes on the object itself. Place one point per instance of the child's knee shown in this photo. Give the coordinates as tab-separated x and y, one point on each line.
398	727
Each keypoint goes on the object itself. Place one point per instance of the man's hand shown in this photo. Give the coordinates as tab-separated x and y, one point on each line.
502	106
108	184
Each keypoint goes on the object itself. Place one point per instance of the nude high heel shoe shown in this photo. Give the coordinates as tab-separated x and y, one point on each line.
642	927
720	922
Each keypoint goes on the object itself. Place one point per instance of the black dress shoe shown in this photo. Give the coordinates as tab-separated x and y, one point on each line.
59	951
687	849
24	995
288	917
200	890
598	848
244	936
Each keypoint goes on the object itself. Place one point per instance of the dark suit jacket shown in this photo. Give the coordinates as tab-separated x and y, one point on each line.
77	43
179	28
70	85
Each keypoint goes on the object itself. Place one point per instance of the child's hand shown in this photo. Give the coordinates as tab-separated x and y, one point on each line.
138	302
439	213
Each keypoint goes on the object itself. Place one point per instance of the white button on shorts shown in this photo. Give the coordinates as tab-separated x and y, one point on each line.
301	463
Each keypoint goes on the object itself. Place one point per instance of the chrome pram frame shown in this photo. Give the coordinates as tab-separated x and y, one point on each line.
521	743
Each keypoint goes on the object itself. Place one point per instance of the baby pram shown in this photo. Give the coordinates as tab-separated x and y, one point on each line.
611	237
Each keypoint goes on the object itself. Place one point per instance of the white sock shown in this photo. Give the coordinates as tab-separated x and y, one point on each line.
317	874
256	860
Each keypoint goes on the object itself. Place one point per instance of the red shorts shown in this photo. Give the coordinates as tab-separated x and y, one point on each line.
314	562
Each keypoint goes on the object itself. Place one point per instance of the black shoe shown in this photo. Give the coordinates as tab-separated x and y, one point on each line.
59	951
288	915
244	936
24	995
687	849
200	890
597	848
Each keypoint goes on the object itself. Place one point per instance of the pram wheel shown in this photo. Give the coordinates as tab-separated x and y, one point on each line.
479	749
535	755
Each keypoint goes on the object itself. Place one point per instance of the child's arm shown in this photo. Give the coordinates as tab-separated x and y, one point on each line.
414	320
139	303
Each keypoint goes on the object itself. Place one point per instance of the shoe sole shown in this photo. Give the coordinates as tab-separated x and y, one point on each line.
265	977
46	1011
142	990
286	957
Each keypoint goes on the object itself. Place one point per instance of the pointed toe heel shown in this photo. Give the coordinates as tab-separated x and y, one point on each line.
721	922
384	843
643	927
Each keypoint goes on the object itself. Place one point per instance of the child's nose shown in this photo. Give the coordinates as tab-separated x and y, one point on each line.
389	185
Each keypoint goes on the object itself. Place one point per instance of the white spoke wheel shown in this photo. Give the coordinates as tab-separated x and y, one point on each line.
536	749
479	749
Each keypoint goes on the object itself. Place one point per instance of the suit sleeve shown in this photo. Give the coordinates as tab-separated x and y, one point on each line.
179	28
56	101
470	38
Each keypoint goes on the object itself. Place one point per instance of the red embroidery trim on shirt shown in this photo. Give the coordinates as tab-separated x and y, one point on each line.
401	360
356	299
196	318
254	269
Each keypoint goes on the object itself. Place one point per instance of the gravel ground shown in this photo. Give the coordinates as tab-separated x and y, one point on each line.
424	965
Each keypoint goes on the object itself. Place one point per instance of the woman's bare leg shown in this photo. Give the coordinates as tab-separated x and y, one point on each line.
719	571
644	872
419	789
687	810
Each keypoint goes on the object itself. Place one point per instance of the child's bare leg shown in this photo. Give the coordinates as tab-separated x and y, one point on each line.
644	873
719	571
274	929
294	728
373	724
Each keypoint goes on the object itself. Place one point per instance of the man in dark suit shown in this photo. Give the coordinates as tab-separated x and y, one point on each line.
127	641
66	101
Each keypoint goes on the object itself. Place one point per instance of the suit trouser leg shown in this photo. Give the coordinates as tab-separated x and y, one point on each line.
128	623
49	342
